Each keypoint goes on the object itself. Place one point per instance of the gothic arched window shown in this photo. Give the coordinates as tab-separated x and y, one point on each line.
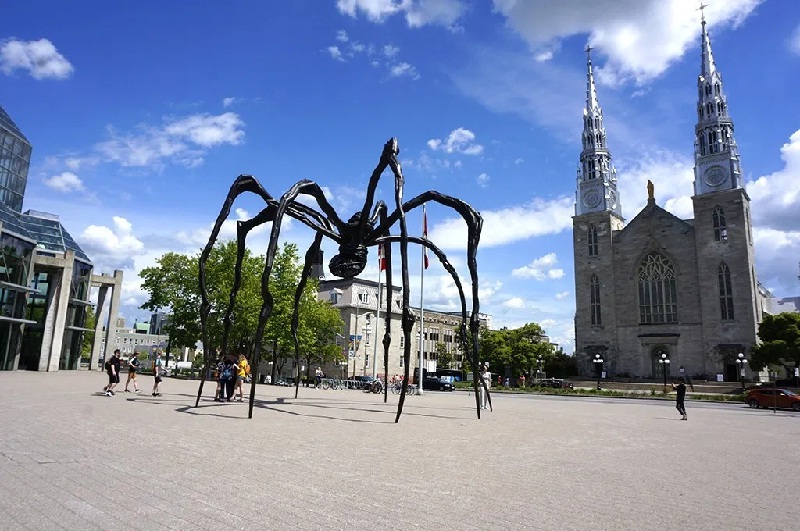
592	241
725	292
657	292
720	227
594	299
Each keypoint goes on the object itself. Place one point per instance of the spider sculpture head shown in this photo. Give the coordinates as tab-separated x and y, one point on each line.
352	256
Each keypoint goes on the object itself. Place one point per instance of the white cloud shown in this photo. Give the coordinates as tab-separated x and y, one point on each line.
341	36
640	38
227	102
40	58
536	218
403	69
111	248
182	141
776	196
417	12
514	302
540	269
519	161
483	180
794	41
65	182
458	141
335	53
563	295
672	175
390	51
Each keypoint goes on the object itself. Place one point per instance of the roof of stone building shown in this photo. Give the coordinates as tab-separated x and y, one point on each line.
650	211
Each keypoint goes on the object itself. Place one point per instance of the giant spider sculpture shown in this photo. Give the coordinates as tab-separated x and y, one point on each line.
354	237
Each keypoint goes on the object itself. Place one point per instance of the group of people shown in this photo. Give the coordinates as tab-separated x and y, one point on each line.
114	364
231	375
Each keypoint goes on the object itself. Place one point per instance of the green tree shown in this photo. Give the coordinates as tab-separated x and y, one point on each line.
88	337
173	284
780	342
516	350
444	359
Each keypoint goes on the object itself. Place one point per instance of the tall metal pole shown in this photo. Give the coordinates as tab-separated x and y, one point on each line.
421	320
377	323
355	336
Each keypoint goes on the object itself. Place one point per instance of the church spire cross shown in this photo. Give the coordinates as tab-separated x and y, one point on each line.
591	89
708	66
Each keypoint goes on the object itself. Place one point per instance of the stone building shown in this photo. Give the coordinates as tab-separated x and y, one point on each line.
361	340
659	287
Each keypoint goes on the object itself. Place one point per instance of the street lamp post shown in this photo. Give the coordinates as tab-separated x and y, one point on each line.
664	361
741	362
540	363
598	367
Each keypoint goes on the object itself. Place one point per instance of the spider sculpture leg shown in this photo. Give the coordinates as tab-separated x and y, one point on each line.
440	255
242	184
287	200
311	255
474	225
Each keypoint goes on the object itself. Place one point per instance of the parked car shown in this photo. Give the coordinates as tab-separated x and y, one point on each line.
555	383
435	384
771	397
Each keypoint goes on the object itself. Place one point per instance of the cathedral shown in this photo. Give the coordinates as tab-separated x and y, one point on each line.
662	293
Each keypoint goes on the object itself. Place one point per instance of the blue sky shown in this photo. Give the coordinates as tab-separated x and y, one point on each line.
141	116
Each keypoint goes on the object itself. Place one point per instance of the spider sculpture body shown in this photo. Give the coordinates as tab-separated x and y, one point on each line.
367	228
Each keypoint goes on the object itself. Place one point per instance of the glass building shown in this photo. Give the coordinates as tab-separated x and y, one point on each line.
45	277
15	159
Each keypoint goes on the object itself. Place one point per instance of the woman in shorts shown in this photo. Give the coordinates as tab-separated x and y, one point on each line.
133	365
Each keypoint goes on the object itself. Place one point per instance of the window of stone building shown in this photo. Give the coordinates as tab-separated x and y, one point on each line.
720	227
725	292
592	241
657	291
594	296
402	340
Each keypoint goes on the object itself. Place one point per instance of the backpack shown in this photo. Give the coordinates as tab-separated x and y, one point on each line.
108	365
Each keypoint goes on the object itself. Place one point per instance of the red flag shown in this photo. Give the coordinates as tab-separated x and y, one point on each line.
425	236
381	259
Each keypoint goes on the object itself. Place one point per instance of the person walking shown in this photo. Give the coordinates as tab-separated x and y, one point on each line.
157	367
133	366
227	378
318	377
681	395
112	368
241	375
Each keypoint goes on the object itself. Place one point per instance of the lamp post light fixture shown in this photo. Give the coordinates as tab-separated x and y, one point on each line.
741	362
540	365
598	365
664	361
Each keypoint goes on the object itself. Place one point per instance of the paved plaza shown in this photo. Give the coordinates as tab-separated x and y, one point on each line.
71	458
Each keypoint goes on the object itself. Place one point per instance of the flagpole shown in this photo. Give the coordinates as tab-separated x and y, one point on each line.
377	319
421	305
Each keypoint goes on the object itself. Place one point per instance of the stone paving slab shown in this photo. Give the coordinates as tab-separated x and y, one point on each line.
71	458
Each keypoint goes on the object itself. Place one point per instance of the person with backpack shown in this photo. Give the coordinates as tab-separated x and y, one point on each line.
112	368
157	368
133	366
227	378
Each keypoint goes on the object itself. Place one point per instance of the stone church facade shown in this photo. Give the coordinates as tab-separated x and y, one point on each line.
659	287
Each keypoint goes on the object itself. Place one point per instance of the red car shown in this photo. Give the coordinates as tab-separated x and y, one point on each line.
771	397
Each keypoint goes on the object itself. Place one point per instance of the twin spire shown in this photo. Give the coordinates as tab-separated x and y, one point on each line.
716	154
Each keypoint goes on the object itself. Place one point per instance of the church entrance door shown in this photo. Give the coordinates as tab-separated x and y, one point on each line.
659	366
730	372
